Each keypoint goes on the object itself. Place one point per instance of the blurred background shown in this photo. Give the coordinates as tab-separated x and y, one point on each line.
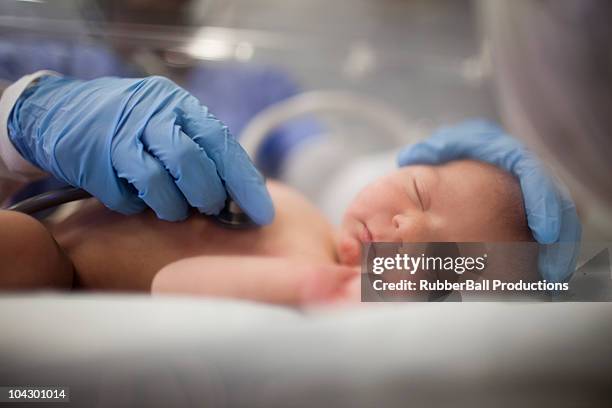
421	56
390	71
322	94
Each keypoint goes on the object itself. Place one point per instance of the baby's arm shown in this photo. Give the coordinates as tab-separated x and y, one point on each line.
29	257
264	279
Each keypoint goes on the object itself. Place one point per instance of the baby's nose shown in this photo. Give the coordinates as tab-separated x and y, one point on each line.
396	221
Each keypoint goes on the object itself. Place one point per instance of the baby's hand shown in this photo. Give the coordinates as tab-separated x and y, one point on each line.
350	291
347	292
323	282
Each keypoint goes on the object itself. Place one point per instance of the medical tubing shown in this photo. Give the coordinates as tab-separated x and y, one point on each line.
230	217
369	109
49	199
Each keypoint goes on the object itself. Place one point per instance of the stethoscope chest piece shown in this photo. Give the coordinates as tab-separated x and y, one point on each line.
232	216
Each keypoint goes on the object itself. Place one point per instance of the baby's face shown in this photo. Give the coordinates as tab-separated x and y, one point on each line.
460	201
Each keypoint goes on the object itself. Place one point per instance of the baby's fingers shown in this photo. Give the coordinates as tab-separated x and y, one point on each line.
322	282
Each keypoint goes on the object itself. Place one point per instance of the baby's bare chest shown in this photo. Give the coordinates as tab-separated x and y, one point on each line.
115	252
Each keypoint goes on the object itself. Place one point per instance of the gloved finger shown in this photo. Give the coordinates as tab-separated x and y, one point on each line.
470	139
242	180
571	229
193	171
484	141
154	184
114	192
541	198
117	195
557	262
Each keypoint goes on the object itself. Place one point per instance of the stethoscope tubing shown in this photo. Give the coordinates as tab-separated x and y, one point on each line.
231	216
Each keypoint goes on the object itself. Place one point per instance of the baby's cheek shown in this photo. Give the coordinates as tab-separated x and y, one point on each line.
349	250
418	229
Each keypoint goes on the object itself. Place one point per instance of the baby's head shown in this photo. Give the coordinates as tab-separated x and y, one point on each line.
461	201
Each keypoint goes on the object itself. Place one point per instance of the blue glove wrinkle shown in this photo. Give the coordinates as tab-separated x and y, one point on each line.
541	198
148	175
193	171
242	181
565	250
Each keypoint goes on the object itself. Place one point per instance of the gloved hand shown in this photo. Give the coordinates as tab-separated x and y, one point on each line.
551	214
134	143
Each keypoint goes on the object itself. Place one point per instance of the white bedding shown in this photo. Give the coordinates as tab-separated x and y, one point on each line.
140	351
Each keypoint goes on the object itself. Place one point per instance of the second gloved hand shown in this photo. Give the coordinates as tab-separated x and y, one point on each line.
134	143
551	213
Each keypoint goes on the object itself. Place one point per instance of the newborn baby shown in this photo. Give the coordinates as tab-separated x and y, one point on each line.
297	260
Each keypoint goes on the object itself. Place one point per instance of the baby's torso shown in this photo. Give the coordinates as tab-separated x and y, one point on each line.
115	252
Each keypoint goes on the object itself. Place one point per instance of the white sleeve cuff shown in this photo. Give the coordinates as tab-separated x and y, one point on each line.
12	164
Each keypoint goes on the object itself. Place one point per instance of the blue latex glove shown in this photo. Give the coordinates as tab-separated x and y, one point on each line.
134	143
551	213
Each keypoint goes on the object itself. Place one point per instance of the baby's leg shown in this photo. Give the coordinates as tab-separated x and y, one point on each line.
29	257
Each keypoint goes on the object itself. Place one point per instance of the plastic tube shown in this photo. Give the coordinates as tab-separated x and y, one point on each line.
378	113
